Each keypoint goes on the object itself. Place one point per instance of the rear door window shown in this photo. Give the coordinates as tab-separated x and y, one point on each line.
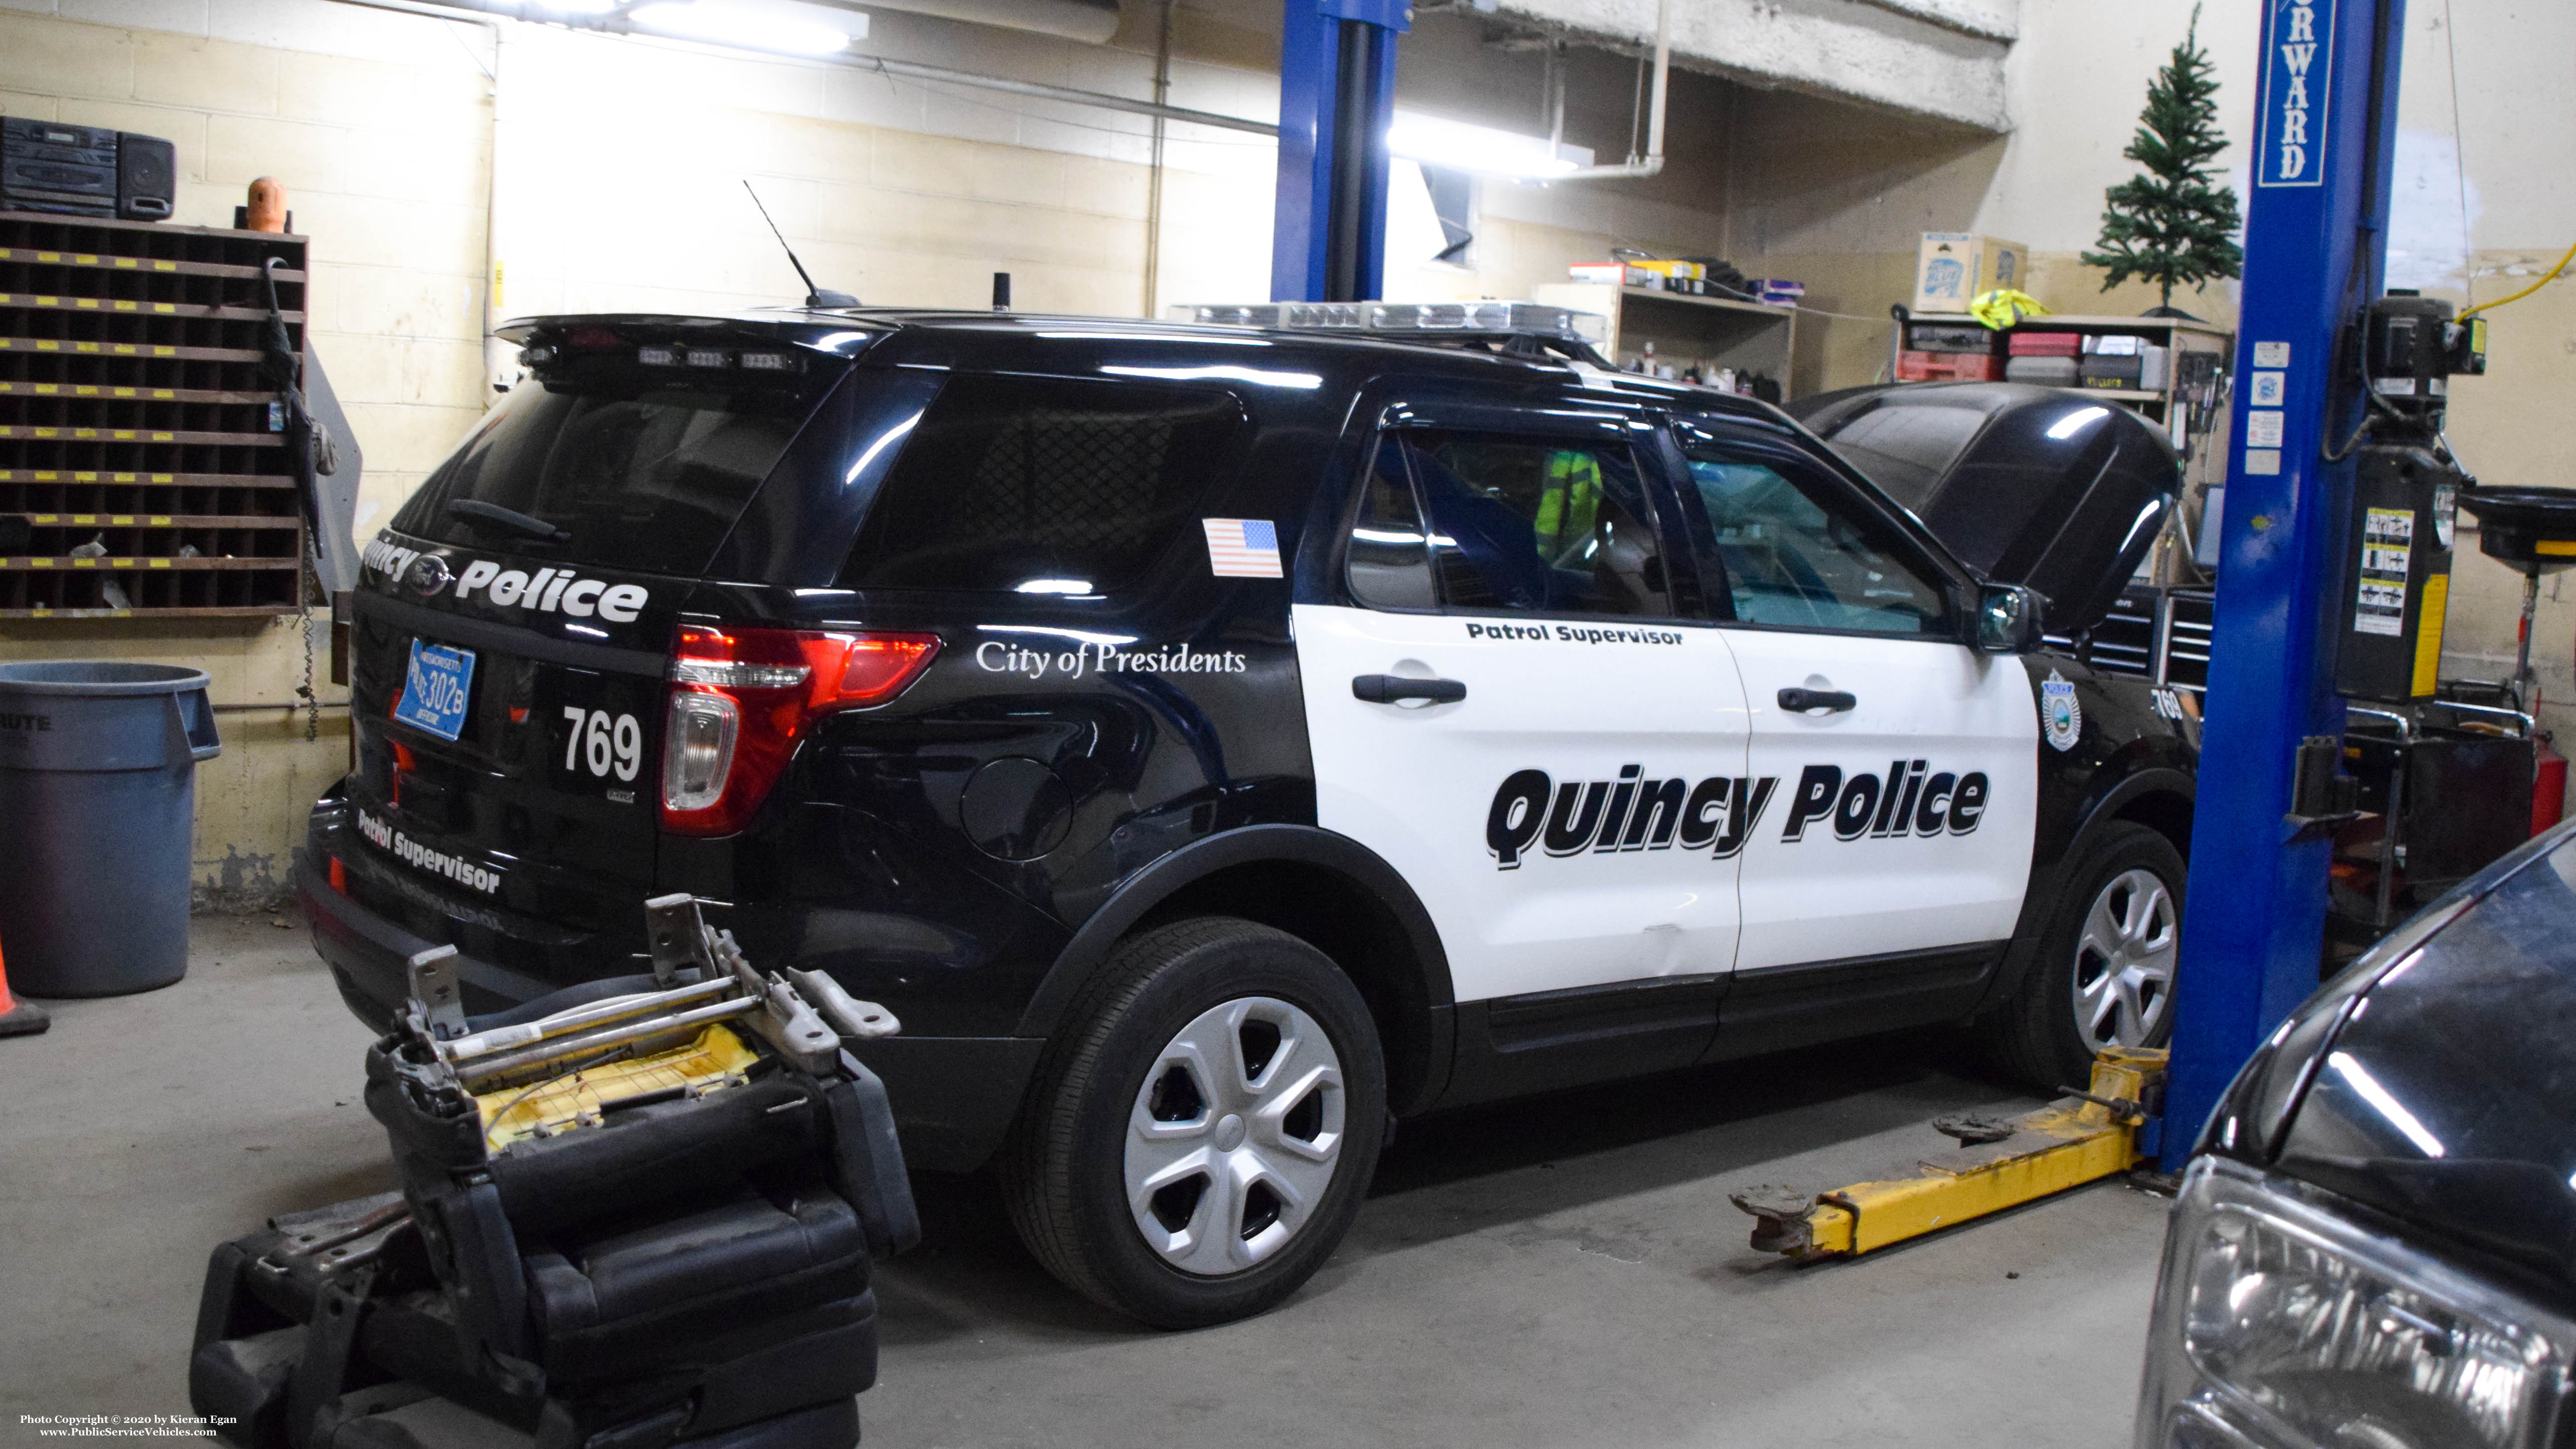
616	463
1045	485
1539	524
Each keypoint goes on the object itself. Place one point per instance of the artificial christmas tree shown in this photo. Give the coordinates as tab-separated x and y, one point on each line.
2169	225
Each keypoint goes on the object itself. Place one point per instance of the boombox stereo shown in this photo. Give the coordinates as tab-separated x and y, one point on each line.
47	166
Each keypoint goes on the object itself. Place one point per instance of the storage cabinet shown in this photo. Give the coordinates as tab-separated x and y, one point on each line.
143	458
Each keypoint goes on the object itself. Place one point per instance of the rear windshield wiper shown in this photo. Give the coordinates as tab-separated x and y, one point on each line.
476	511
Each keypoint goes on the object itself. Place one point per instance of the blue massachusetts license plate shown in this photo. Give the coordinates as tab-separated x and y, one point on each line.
435	689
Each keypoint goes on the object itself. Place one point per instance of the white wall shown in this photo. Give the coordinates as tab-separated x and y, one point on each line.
2504	138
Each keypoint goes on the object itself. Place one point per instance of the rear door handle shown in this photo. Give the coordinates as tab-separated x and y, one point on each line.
1832	701
1389	688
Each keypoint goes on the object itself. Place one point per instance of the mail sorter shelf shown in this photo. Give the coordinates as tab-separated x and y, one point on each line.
143	466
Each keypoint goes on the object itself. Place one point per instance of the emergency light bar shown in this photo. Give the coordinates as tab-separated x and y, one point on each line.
1529	318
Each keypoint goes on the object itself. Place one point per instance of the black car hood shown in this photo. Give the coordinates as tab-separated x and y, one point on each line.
2436	1082
2029	485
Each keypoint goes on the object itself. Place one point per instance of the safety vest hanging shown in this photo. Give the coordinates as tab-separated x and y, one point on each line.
1570	504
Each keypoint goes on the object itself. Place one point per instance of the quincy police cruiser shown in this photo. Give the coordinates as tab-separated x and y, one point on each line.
1216	742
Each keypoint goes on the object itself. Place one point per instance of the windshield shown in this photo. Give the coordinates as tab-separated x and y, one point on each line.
608	462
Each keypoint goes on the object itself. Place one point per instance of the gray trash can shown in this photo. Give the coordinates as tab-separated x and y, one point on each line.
98	797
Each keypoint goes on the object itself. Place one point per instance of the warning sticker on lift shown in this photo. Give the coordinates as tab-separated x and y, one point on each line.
2387	546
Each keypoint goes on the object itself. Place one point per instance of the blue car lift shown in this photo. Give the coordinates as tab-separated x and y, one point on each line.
2324	133
2254	929
2324	136
1336	101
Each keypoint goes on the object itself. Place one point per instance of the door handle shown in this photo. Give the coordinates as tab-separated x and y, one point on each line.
1832	701
1389	688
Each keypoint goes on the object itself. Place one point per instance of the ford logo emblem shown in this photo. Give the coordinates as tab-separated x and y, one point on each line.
430	574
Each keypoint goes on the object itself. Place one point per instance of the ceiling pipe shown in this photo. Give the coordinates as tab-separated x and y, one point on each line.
1652	163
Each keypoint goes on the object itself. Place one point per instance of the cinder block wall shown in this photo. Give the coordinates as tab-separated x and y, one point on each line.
378	124
619	188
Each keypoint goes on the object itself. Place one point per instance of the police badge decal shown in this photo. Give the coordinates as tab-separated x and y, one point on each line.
2059	715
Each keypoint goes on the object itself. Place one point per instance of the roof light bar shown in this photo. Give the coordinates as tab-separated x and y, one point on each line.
1398	317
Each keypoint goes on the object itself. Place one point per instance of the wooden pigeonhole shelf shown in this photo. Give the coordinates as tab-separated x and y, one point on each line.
133	416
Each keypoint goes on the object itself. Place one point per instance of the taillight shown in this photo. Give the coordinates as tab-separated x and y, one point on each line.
741	698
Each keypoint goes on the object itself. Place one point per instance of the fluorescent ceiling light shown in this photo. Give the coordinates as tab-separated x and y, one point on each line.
789	27
1463	146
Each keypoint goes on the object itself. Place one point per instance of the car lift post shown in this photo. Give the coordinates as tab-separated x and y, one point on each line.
1336	102
2324	131
2315	245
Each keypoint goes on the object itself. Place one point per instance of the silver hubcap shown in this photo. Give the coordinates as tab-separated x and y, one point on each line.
1235	1136
2124	962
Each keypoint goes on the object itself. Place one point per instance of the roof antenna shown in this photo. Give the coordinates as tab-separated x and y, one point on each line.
814	296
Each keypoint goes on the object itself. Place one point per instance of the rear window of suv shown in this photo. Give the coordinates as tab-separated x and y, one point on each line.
1044	485
635	467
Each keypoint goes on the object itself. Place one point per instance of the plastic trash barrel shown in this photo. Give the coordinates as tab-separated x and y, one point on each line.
98	796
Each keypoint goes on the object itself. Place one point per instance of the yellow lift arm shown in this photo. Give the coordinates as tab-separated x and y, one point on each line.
1999	1163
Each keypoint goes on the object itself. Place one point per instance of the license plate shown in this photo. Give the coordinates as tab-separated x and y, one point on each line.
435	689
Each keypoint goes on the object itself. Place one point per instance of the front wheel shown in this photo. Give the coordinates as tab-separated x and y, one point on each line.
2104	973
1200	1134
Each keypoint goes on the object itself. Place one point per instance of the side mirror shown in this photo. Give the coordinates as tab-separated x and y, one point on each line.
2008	620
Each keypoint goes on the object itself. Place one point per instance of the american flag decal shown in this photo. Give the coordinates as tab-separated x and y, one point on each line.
1242	548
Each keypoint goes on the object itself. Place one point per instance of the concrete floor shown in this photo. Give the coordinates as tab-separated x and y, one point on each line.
1558	1272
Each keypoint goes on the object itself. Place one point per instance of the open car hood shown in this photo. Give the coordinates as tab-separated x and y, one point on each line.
2038	486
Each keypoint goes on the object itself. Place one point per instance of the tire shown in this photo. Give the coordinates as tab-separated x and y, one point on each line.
1133	1104
2118	964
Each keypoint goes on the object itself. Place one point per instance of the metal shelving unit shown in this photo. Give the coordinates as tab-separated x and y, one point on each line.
1711	332
134	419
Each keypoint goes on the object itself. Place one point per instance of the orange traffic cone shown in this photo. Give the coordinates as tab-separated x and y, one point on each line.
19	1018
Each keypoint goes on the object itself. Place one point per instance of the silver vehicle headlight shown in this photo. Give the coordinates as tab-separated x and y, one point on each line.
2282	1325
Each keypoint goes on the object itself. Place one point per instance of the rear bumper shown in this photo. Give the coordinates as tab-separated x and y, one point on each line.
954	1097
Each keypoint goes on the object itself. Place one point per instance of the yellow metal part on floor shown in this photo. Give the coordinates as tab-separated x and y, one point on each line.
2071	1141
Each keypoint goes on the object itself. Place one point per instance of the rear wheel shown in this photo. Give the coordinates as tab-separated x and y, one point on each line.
1198	1139
2104	973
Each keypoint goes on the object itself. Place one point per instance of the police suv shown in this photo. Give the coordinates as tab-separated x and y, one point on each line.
1215	743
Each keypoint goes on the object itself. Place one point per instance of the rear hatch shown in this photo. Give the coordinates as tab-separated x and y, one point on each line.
515	628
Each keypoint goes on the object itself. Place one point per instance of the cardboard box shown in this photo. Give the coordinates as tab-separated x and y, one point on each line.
1616	274
1954	268
1948	367
1692	270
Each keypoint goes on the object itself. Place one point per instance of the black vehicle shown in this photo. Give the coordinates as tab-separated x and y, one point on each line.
2376	1241
1214	743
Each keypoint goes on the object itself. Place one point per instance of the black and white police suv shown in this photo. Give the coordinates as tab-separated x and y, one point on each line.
1214	743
